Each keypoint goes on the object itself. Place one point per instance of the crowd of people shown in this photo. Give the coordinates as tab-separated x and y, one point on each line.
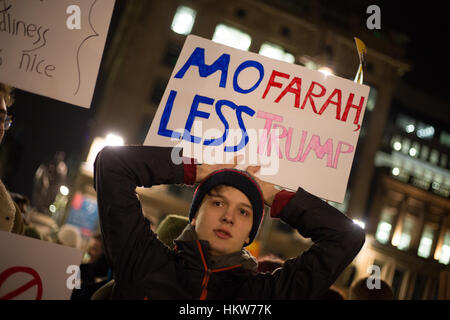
201	256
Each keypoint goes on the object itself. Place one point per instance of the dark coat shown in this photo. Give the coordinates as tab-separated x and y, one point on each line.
144	268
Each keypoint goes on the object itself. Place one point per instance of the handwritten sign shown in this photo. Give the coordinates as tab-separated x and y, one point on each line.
221	101
53	47
32	269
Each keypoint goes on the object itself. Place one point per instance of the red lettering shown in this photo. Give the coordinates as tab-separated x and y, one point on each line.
357	107
272	82
311	94
290	88
336	103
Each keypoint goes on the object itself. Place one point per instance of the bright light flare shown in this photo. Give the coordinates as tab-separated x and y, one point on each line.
64	190
326	71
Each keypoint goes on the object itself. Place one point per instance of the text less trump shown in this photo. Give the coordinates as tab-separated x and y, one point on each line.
221	101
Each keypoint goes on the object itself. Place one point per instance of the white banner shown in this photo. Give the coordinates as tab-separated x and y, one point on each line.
301	125
53	47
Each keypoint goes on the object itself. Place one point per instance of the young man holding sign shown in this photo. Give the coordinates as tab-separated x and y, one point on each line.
209	260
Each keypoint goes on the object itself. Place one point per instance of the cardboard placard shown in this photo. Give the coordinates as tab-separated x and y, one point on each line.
32	269
300	124
53	47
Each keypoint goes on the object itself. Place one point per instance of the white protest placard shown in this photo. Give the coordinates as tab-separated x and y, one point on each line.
32	269
53	47
300	124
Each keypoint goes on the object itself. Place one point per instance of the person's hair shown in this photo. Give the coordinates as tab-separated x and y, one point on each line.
360	291
6	92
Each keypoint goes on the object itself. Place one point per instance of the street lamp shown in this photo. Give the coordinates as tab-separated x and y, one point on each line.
114	140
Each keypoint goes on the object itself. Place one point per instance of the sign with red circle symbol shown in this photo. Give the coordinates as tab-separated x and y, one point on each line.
33	269
34	282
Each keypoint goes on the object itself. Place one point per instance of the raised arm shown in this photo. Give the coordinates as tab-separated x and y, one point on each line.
117	173
337	240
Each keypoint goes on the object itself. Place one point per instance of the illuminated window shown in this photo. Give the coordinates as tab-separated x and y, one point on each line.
396	143
407	229
444	159
445	251
276	52
232	37
434	156
423	181
414	150
385	225
183	20
425	131
424	152
406	123
444	138
406	144
426	241
371	100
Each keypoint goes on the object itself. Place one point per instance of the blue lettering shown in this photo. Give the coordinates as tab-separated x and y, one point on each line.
163	131
197	58
196	113
242	66
245	137
219	141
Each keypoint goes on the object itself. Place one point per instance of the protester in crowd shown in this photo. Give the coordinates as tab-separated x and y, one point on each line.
209	260
69	235
48	179
360	290
10	216
22	202
94	272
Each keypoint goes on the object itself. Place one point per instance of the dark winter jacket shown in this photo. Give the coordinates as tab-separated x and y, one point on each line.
144	268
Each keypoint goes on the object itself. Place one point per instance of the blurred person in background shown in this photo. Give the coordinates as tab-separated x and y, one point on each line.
11	219
94	270
360	290
23	203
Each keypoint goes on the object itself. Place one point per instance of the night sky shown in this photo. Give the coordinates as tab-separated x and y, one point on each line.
43	126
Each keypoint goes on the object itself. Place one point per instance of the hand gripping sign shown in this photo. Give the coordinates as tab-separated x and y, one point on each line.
222	101
53	47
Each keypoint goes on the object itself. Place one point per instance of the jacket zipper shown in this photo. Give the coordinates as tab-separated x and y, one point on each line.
209	271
